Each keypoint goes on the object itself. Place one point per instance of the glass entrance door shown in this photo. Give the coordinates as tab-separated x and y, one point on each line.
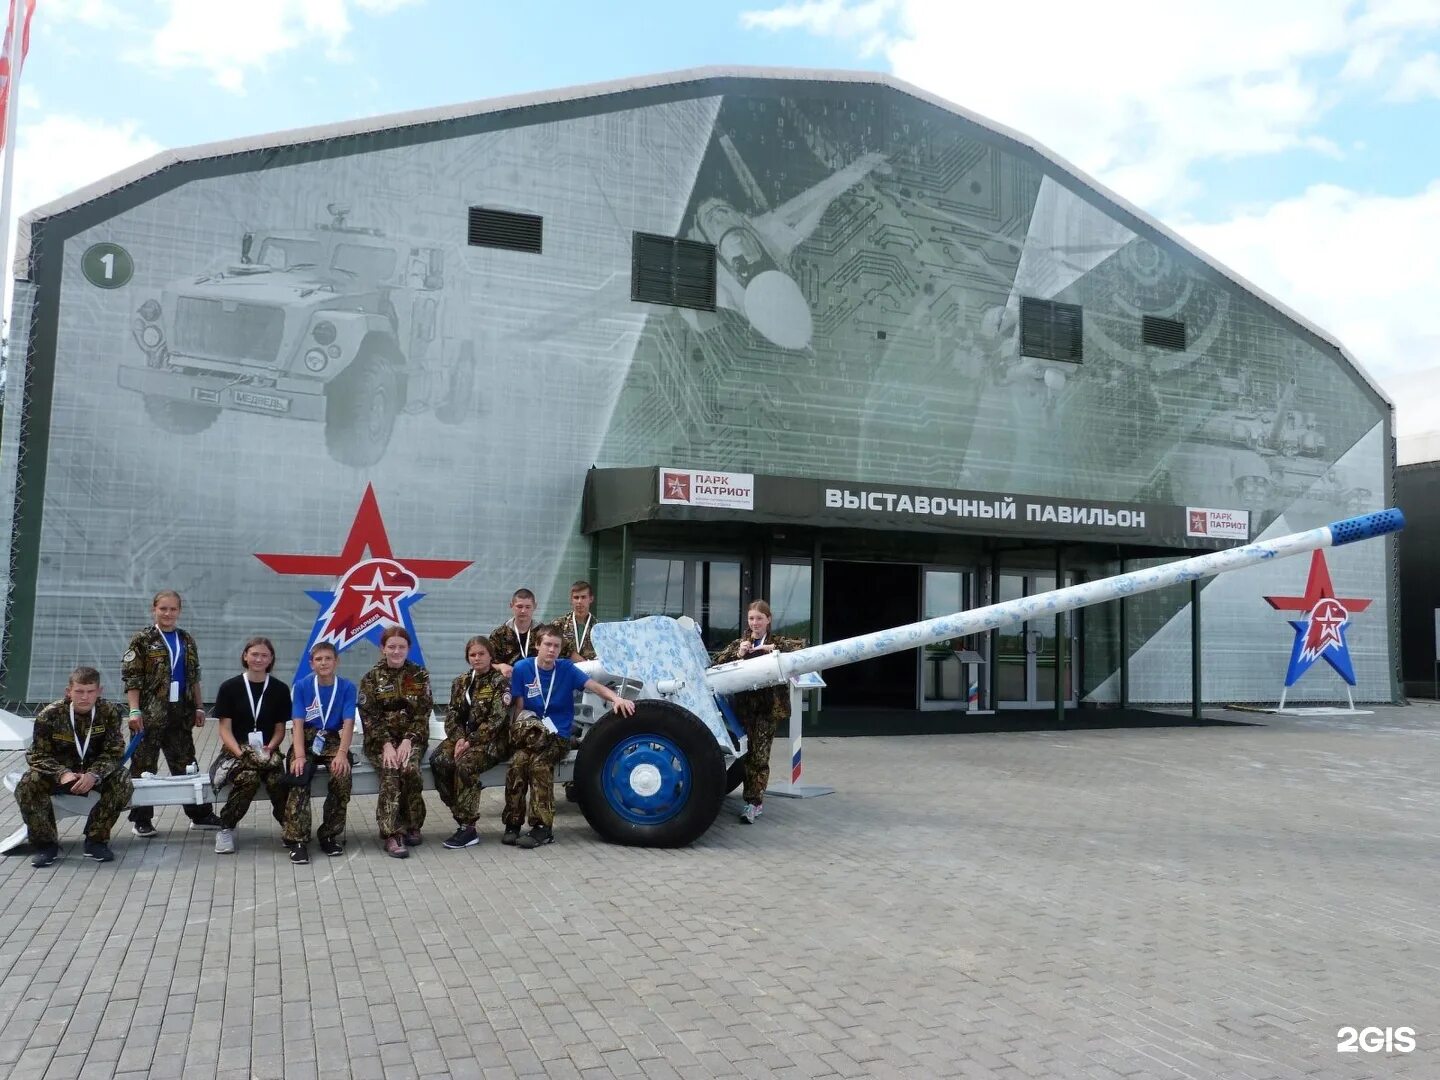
1026	652
707	589
942	676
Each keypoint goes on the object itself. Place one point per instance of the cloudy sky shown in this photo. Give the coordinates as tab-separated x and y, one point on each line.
1295	140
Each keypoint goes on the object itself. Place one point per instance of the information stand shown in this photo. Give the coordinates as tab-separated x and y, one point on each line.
792	788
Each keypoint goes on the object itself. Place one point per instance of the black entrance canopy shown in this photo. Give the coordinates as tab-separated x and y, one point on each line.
624	496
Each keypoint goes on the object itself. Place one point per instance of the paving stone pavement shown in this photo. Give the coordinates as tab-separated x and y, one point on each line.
1168	902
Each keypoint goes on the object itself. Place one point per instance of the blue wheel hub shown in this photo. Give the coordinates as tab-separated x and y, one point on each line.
646	779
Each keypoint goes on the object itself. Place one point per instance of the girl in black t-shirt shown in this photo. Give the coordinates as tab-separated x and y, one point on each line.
253	710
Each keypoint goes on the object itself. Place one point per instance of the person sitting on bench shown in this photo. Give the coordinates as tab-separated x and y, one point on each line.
322	707
77	748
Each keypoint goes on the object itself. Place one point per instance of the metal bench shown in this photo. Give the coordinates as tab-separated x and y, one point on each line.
192	789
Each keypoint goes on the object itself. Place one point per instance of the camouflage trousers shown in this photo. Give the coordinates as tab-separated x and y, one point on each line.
534	753
33	794
337	800
457	781
173	734
760	731
245	782
401	806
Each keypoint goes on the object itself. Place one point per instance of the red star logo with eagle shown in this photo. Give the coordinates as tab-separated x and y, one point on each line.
374	589
1321	633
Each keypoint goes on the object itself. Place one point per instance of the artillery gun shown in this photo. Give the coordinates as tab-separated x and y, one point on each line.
657	778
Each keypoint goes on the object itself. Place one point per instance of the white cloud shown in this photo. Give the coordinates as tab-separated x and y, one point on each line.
58	153
1418	78
1364	267
101	14
1131	91
232	39
828	18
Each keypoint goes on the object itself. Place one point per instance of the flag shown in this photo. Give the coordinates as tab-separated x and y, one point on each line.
6	81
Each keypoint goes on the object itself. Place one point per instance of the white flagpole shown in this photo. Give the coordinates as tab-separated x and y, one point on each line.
12	106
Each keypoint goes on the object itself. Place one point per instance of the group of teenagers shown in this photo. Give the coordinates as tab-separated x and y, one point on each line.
515	702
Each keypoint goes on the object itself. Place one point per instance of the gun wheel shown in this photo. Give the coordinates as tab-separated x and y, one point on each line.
653	779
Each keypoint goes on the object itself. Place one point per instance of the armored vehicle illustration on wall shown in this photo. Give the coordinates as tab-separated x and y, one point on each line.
335	324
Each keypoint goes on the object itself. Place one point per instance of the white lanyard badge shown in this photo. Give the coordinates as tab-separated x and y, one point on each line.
174	655
256	703
75	732
524	645
324	714
470	686
545	700
539	686
255	739
578	633
317	745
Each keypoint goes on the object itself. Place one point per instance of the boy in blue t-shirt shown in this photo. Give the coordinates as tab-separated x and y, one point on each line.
543	689
323	708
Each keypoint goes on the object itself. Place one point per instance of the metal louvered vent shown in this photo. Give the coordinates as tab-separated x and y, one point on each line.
1050	330
1163	333
666	270
506	229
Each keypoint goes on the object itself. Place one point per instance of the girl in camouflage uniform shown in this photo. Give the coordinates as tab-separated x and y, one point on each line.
161	668
758	710
394	706
476	739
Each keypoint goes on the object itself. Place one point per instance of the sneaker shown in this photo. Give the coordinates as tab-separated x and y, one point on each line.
225	842
45	855
300	854
464	837
413	838
751	812
209	821
538	834
512	834
98	850
395	847
331	846
291	844
143	829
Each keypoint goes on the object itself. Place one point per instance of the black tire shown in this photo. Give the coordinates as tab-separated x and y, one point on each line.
735	776
179	417
680	735
460	396
360	410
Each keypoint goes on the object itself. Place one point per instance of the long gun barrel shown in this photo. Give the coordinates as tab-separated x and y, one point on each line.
772	669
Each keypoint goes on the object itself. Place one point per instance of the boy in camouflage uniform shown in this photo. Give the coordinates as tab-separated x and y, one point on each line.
575	625
517	637
476	738
77	747
394	707
159	659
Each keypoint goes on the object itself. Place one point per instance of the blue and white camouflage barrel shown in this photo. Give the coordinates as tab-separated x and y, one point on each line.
776	668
